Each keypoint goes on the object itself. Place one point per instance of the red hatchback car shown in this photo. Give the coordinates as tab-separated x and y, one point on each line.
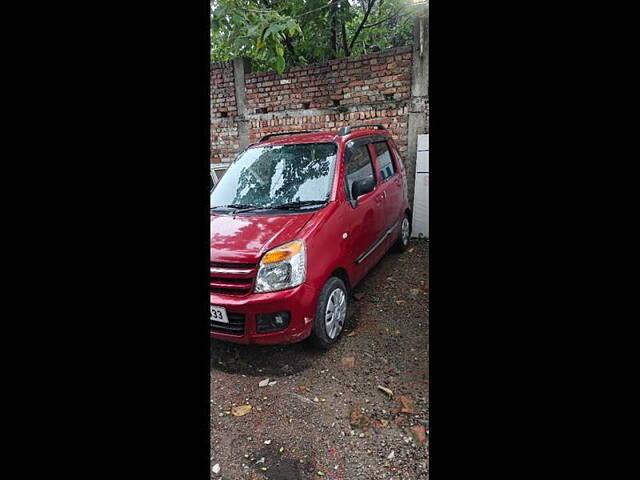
296	222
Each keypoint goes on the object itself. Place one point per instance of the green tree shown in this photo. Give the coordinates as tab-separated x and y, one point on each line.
279	33
245	28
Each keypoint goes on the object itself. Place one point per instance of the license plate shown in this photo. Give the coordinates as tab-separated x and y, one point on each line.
219	314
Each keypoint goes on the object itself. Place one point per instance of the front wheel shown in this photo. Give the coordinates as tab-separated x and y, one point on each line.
331	313
402	243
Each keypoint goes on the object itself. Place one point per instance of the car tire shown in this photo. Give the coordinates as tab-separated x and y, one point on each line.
334	299
402	243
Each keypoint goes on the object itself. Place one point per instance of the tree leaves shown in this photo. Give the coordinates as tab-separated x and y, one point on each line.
279	64
282	33
246	28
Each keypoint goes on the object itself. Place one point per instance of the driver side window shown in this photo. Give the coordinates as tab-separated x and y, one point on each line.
358	166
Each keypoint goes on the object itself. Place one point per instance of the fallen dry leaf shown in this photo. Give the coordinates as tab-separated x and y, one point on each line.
386	390
407	405
241	411
419	434
348	362
359	420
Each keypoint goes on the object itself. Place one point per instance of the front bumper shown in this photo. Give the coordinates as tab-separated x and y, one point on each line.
300	301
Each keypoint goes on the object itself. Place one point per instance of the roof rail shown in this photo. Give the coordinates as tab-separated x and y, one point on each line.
347	130
267	137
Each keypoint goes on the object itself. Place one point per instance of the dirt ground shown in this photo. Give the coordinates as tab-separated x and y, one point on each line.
325	417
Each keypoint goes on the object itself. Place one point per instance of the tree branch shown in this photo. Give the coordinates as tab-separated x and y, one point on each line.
364	21
347	49
398	14
334	33
289	44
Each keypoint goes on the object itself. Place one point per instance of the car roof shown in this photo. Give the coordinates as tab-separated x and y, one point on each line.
327	136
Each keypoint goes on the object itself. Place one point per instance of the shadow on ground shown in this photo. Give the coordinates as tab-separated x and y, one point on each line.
255	360
280	360
271	360
282	466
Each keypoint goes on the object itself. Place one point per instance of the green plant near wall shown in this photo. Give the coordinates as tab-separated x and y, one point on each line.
276	34
240	28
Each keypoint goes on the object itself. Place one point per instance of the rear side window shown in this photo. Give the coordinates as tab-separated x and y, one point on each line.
384	163
396	153
358	164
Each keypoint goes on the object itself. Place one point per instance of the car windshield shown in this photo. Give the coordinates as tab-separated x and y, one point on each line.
273	176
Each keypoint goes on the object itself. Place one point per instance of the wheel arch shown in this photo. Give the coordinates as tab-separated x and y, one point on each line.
409	215
342	274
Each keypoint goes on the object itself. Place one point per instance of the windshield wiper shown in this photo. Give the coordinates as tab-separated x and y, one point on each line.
239	207
233	205
298	205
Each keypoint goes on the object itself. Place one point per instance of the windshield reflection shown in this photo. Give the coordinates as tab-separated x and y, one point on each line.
276	175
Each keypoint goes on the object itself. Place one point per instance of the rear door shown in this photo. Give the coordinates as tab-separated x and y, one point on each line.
364	222
391	187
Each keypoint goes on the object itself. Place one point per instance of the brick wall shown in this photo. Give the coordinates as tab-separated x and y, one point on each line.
373	78
372	88
224	140
223	99
391	115
224	126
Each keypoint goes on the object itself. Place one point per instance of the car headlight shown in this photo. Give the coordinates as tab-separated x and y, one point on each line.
282	267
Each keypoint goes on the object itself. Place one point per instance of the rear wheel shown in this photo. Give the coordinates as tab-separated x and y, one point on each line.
331	313
402	243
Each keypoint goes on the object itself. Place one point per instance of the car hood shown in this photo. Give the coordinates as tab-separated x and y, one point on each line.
245	238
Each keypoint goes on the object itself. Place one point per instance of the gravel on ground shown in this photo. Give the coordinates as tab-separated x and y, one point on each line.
357	411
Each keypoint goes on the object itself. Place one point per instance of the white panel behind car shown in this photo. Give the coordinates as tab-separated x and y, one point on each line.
421	191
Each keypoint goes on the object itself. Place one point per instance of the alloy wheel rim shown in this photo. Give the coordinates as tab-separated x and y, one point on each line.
335	313
405	230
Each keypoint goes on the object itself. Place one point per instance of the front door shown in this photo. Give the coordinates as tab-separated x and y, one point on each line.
364	222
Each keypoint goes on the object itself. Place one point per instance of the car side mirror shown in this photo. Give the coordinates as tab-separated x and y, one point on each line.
362	187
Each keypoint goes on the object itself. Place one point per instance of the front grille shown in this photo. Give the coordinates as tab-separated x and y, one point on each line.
233	265
234	327
234	279
230	291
